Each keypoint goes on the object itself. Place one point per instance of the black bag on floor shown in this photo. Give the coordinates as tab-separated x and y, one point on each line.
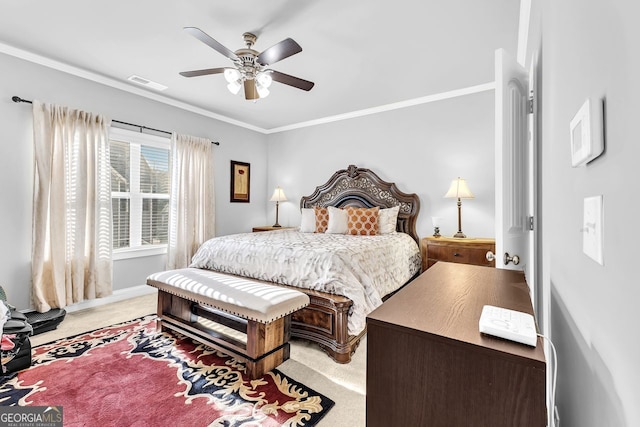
43	322
15	352
15	347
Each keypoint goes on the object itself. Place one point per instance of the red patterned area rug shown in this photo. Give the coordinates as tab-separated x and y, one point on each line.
131	375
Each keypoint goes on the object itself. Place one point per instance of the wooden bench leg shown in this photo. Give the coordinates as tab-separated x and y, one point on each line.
175	306
267	345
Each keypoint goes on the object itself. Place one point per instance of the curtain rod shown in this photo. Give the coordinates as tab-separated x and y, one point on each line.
18	99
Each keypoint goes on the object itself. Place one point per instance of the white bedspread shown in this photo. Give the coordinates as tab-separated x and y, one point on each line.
361	268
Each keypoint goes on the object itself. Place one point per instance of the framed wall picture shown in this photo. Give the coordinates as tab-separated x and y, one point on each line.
240	182
586	133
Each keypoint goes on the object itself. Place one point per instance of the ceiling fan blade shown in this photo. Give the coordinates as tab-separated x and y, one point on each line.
278	52
250	91
291	80
196	73
212	43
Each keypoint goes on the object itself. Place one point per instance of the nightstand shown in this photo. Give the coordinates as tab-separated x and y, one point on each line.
451	249
270	228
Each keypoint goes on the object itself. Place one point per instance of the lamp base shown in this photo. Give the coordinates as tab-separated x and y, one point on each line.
436	231
460	235
276	225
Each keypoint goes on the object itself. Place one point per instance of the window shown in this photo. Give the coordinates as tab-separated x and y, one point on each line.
139	193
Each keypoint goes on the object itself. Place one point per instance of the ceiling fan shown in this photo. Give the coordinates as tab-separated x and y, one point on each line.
250	68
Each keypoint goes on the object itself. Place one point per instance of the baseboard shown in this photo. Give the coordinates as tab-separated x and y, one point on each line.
118	295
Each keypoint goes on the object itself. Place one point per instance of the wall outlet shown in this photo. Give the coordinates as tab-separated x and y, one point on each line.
556	417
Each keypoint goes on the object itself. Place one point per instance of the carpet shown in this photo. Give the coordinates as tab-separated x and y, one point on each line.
131	375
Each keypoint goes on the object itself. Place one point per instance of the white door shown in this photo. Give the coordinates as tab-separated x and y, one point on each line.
513	191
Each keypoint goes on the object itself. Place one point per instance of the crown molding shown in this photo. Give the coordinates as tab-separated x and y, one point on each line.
388	107
98	78
108	81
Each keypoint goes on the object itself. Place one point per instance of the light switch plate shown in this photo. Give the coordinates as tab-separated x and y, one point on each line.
592	228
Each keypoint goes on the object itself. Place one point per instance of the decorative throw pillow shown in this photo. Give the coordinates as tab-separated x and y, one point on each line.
387	219
337	221
362	221
308	221
322	219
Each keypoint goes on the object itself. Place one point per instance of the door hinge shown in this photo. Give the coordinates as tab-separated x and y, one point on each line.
530	105
530	220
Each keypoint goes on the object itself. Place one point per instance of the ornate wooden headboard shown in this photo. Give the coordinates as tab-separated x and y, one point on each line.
361	187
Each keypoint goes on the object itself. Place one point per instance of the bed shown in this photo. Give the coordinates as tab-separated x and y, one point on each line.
331	269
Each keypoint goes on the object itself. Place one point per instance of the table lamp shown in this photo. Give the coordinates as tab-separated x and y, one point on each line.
459	190
278	196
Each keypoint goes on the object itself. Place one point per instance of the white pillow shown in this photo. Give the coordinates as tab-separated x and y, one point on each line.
387	219
338	223
308	222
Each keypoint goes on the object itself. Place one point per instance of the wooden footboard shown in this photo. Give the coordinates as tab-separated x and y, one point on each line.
324	321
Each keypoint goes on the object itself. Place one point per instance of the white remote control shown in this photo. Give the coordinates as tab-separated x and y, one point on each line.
508	324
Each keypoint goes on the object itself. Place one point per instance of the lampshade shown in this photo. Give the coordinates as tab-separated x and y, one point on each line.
459	190
264	79
234	87
278	195
263	92
231	75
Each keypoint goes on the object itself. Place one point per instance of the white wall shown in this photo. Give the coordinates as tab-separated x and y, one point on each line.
420	148
32	81
590	49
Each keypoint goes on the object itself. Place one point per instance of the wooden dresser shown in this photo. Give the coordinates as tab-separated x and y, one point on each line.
428	365
450	249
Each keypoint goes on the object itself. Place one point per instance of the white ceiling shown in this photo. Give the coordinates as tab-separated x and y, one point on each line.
361	54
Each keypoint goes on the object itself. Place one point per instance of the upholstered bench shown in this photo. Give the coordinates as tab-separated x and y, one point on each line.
260	310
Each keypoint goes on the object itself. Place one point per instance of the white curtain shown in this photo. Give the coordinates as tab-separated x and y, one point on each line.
192	204
71	248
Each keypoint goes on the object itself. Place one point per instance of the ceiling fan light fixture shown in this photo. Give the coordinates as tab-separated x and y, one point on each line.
262	90
264	79
249	68
234	87
232	75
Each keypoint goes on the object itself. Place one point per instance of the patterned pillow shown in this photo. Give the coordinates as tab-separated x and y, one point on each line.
387	219
322	219
362	221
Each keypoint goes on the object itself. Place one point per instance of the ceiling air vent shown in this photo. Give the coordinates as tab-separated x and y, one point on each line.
147	83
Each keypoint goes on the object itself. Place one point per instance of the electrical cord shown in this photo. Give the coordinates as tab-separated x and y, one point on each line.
551	411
